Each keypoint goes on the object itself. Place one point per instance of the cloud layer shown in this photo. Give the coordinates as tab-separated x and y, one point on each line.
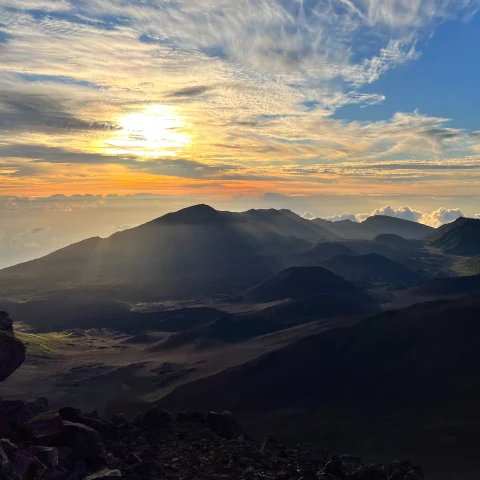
434	219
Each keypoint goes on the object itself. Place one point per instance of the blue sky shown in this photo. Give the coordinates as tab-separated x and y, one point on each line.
443	82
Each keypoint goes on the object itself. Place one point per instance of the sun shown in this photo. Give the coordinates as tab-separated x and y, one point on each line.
157	131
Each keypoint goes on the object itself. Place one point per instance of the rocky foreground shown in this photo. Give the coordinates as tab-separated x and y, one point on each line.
39	443
72	445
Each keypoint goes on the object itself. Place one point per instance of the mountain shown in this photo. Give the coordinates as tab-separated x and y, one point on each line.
299	295
382	224
196	251
370	268
322	251
397	242
461	237
287	223
374	226
412	354
299	282
345	228
403	381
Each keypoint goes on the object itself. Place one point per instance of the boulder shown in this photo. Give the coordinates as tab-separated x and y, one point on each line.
45	428
38	406
6	468
47	455
191	417
12	350
132	459
224	424
6	323
92	420
84	441
155	418
16	412
19	463
105	474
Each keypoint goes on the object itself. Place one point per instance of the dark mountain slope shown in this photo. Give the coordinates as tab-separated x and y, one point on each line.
287	223
403	383
322	251
302	295
344	228
196	251
288	314
376	225
63	312
411	356
298	282
470	266
398	242
451	286
370	268
461	237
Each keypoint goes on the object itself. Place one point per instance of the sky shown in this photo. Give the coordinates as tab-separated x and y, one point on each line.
113	112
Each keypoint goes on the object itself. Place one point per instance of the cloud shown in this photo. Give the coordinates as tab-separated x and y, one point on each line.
23	111
343	216
435	219
309	215
26	239
442	216
190	91
254	84
121	228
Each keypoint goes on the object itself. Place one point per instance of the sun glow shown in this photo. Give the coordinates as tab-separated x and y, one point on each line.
157	131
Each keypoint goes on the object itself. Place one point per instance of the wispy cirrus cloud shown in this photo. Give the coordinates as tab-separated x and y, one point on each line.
256	85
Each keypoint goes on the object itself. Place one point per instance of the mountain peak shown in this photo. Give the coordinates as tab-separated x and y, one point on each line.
460	237
465	220
195	214
385	218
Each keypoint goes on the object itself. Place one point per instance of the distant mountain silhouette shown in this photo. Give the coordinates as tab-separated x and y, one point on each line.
196	251
376	225
461	237
397	226
370	268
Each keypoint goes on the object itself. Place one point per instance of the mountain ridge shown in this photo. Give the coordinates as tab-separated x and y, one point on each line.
461	237
193	252
376	225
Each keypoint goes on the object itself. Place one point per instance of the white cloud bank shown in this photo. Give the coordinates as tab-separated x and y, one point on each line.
435	219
